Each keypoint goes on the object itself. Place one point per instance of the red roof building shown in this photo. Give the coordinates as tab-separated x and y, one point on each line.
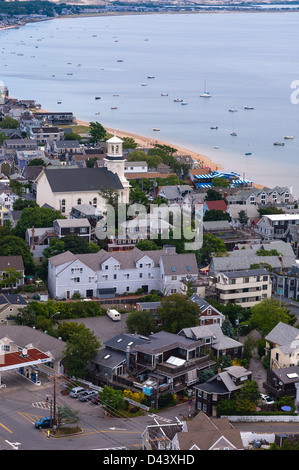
216	205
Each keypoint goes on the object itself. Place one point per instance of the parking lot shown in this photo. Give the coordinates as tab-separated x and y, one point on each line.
103	327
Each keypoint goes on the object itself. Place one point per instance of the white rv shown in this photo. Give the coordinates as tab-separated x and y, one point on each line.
113	314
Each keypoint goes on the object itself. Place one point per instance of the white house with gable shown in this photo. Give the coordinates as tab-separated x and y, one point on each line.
120	272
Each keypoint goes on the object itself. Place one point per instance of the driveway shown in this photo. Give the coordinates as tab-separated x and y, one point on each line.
259	373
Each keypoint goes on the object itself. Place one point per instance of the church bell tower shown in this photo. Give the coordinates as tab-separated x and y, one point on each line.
115	163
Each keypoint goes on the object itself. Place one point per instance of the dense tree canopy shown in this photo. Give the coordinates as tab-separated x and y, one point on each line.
266	314
36	217
177	312
12	246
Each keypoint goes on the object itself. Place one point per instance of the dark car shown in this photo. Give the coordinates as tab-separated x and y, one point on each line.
95	400
43	423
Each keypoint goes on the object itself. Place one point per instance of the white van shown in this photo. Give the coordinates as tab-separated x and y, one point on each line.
113	314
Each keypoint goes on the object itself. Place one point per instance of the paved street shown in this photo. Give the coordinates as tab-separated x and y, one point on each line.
22	403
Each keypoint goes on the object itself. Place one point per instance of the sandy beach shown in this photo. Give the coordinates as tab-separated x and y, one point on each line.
148	142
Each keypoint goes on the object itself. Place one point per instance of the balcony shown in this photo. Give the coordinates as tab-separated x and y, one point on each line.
173	370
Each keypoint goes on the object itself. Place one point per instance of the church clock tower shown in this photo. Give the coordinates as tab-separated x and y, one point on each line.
115	163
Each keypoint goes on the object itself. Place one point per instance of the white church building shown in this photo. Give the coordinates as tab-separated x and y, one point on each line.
62	187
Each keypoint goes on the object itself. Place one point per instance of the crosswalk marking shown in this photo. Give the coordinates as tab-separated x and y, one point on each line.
41	404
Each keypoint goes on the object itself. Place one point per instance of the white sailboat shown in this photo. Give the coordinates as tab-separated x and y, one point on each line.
205	94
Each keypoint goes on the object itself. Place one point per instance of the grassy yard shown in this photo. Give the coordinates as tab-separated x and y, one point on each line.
77	129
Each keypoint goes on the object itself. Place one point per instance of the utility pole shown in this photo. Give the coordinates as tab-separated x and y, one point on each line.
54	405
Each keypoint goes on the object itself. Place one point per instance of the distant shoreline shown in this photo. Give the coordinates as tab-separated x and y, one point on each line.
216	9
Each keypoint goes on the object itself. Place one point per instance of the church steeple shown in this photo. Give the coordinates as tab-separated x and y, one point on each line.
114	148
115	163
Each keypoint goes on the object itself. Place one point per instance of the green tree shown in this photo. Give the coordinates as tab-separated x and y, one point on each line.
147	245
37	162
11	245
215	214
226	407
36	217
141	322
67	415
267	314
72	136
129	143
75	244
137	196
249	345
243	217
20	204
178	312
10	278
213	195
112	399
206	374
227	328
97	132
250	391
211	244
220	182
9	123
80	349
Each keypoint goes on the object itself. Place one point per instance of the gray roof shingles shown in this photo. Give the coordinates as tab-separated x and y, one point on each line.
82	179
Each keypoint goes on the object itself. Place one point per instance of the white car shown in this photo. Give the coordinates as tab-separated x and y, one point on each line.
266	399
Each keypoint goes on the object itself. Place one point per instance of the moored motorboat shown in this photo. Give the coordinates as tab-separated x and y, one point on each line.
279	143
248	107
289	137
234	133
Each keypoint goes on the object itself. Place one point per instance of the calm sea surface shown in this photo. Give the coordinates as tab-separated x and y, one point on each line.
240	58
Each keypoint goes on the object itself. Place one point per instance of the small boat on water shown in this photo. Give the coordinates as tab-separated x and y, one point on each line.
164	94
58	102
143	84
205	93
234	133
248	153
97	113
120	60
248	107
115	94
279	143
150	76
289	137
184	103
178	100
233	110
156	129
97	98
214	127
114	107
69	73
